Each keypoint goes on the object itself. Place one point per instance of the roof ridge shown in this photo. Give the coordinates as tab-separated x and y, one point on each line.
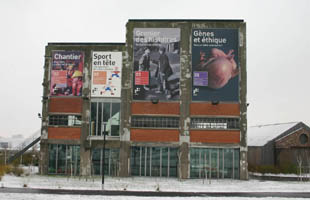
274	124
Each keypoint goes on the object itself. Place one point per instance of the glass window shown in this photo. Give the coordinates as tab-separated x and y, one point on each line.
228	163
215	123
73	159
52	149
143	153
74	120
93	118
156	161
164	162
135	161
99	117
114	162
174	159
194	164
106	112
236	163
96	158
214	163
61	161
105	115
111	162
64	159
155	122
65	120
303	138
221	163
153	161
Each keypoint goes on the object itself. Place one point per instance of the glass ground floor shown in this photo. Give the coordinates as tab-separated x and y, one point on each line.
64	159
214	163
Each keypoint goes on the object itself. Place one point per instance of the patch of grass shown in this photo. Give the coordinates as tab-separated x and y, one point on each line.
4	169
286	168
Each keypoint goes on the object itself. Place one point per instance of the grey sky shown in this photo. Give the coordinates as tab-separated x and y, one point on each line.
278	41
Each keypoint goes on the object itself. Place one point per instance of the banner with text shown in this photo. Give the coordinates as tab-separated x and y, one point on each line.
106	74
67	73
215	66
156	63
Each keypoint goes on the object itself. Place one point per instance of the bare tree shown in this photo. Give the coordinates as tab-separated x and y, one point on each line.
299	154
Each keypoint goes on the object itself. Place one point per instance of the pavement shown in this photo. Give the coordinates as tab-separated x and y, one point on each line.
156	194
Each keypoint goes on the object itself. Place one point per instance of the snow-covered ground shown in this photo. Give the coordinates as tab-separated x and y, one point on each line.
85	197
141	184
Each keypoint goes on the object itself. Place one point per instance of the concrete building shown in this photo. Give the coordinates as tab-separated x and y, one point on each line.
171	102
279	144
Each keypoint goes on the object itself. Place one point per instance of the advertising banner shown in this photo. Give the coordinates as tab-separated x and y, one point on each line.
106	74
215	65
156	63
67	73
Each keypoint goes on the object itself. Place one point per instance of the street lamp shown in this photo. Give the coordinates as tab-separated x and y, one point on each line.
103	156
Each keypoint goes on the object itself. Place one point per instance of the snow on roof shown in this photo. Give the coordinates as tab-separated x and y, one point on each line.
261	134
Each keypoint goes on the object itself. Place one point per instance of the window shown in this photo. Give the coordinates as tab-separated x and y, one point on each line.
64	159
303	138
65	120
154	122
111	161
154	161
214	163
105	117
215	123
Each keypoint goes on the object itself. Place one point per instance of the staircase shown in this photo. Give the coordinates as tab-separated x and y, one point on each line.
24	146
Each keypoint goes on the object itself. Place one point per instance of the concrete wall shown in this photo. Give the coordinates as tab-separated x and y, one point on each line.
70	105
186	107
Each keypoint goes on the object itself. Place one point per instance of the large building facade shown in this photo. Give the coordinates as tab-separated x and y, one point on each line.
171	102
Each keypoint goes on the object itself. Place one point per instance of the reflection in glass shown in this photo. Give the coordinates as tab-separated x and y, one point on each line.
154	161
214	163
105	113
52	149
111	161
64	159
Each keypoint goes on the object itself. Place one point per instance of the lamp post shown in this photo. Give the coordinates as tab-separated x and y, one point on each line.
103	156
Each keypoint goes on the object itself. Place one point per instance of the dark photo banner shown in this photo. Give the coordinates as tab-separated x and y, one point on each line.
215	65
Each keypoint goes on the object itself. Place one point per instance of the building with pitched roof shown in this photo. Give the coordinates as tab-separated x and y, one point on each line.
278	144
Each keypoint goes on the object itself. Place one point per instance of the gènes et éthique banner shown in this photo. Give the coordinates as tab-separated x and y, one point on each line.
215	65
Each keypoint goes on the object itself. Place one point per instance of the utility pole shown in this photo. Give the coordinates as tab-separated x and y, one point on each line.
103	156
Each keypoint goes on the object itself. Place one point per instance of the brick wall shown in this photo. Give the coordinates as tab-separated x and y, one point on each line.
65	105
64	133
293	140
220	109
163	108
215	136
154	135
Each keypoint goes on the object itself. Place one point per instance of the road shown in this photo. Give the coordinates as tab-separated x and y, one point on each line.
157	194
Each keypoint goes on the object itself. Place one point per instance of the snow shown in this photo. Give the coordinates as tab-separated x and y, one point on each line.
151	184
262	134
12	196
32	180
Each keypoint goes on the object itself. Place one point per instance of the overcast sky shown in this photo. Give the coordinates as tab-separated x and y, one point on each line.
278	49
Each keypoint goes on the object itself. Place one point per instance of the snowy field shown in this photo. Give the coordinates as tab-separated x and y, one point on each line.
84	197
141	184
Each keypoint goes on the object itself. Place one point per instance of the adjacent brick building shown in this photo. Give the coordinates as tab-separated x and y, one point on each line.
279	144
